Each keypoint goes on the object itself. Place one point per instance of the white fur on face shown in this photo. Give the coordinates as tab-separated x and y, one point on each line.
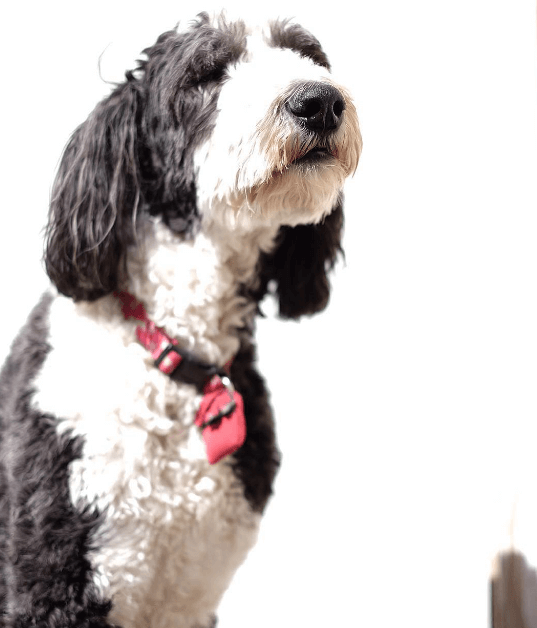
245	170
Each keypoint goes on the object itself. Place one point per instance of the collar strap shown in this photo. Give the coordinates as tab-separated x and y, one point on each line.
179	364
221	412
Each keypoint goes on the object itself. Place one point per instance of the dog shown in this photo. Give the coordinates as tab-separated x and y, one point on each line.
137	442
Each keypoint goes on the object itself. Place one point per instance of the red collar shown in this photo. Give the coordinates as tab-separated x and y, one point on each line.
221	412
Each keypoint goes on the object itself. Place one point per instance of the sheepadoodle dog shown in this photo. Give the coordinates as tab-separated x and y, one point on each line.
137	442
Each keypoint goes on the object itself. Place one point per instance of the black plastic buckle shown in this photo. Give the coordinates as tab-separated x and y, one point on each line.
228	408
164	354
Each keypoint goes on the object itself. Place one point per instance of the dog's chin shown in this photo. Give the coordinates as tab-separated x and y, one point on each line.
303	193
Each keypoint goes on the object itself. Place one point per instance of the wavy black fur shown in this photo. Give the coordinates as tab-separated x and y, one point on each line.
44	538
300	264
257	461
134	154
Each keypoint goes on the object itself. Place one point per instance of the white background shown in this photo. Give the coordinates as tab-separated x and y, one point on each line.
407	411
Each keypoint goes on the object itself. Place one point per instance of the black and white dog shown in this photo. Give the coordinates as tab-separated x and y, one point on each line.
137	443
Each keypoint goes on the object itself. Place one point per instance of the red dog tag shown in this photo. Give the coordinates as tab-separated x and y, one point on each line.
221	417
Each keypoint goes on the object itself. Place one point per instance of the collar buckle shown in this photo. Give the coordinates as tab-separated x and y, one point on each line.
222	381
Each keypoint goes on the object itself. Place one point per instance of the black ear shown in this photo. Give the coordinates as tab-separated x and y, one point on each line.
300	263
95	199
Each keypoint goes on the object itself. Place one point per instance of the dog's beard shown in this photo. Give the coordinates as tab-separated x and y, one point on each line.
281	173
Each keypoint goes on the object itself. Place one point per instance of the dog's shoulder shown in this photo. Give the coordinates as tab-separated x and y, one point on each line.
41	530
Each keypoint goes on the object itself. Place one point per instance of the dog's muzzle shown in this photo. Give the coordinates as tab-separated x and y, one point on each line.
317	107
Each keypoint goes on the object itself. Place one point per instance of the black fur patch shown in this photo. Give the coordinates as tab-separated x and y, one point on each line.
44	539
134	157
300	263
258	460
298	39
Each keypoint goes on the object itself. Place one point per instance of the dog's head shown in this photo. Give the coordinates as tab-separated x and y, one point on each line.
217	123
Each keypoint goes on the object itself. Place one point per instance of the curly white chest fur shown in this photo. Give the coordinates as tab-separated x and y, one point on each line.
175	528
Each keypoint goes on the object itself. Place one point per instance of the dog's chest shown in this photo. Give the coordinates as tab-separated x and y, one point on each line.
174	527
173	537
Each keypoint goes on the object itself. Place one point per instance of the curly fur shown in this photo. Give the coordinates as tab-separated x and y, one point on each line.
194	186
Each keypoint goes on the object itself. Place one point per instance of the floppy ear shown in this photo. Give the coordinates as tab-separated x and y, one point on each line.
300	263
95	199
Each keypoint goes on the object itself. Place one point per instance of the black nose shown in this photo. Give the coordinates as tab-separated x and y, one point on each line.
318	106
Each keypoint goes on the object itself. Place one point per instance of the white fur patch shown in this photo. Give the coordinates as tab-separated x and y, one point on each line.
176	528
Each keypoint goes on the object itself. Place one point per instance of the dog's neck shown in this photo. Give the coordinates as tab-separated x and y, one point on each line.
192	288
